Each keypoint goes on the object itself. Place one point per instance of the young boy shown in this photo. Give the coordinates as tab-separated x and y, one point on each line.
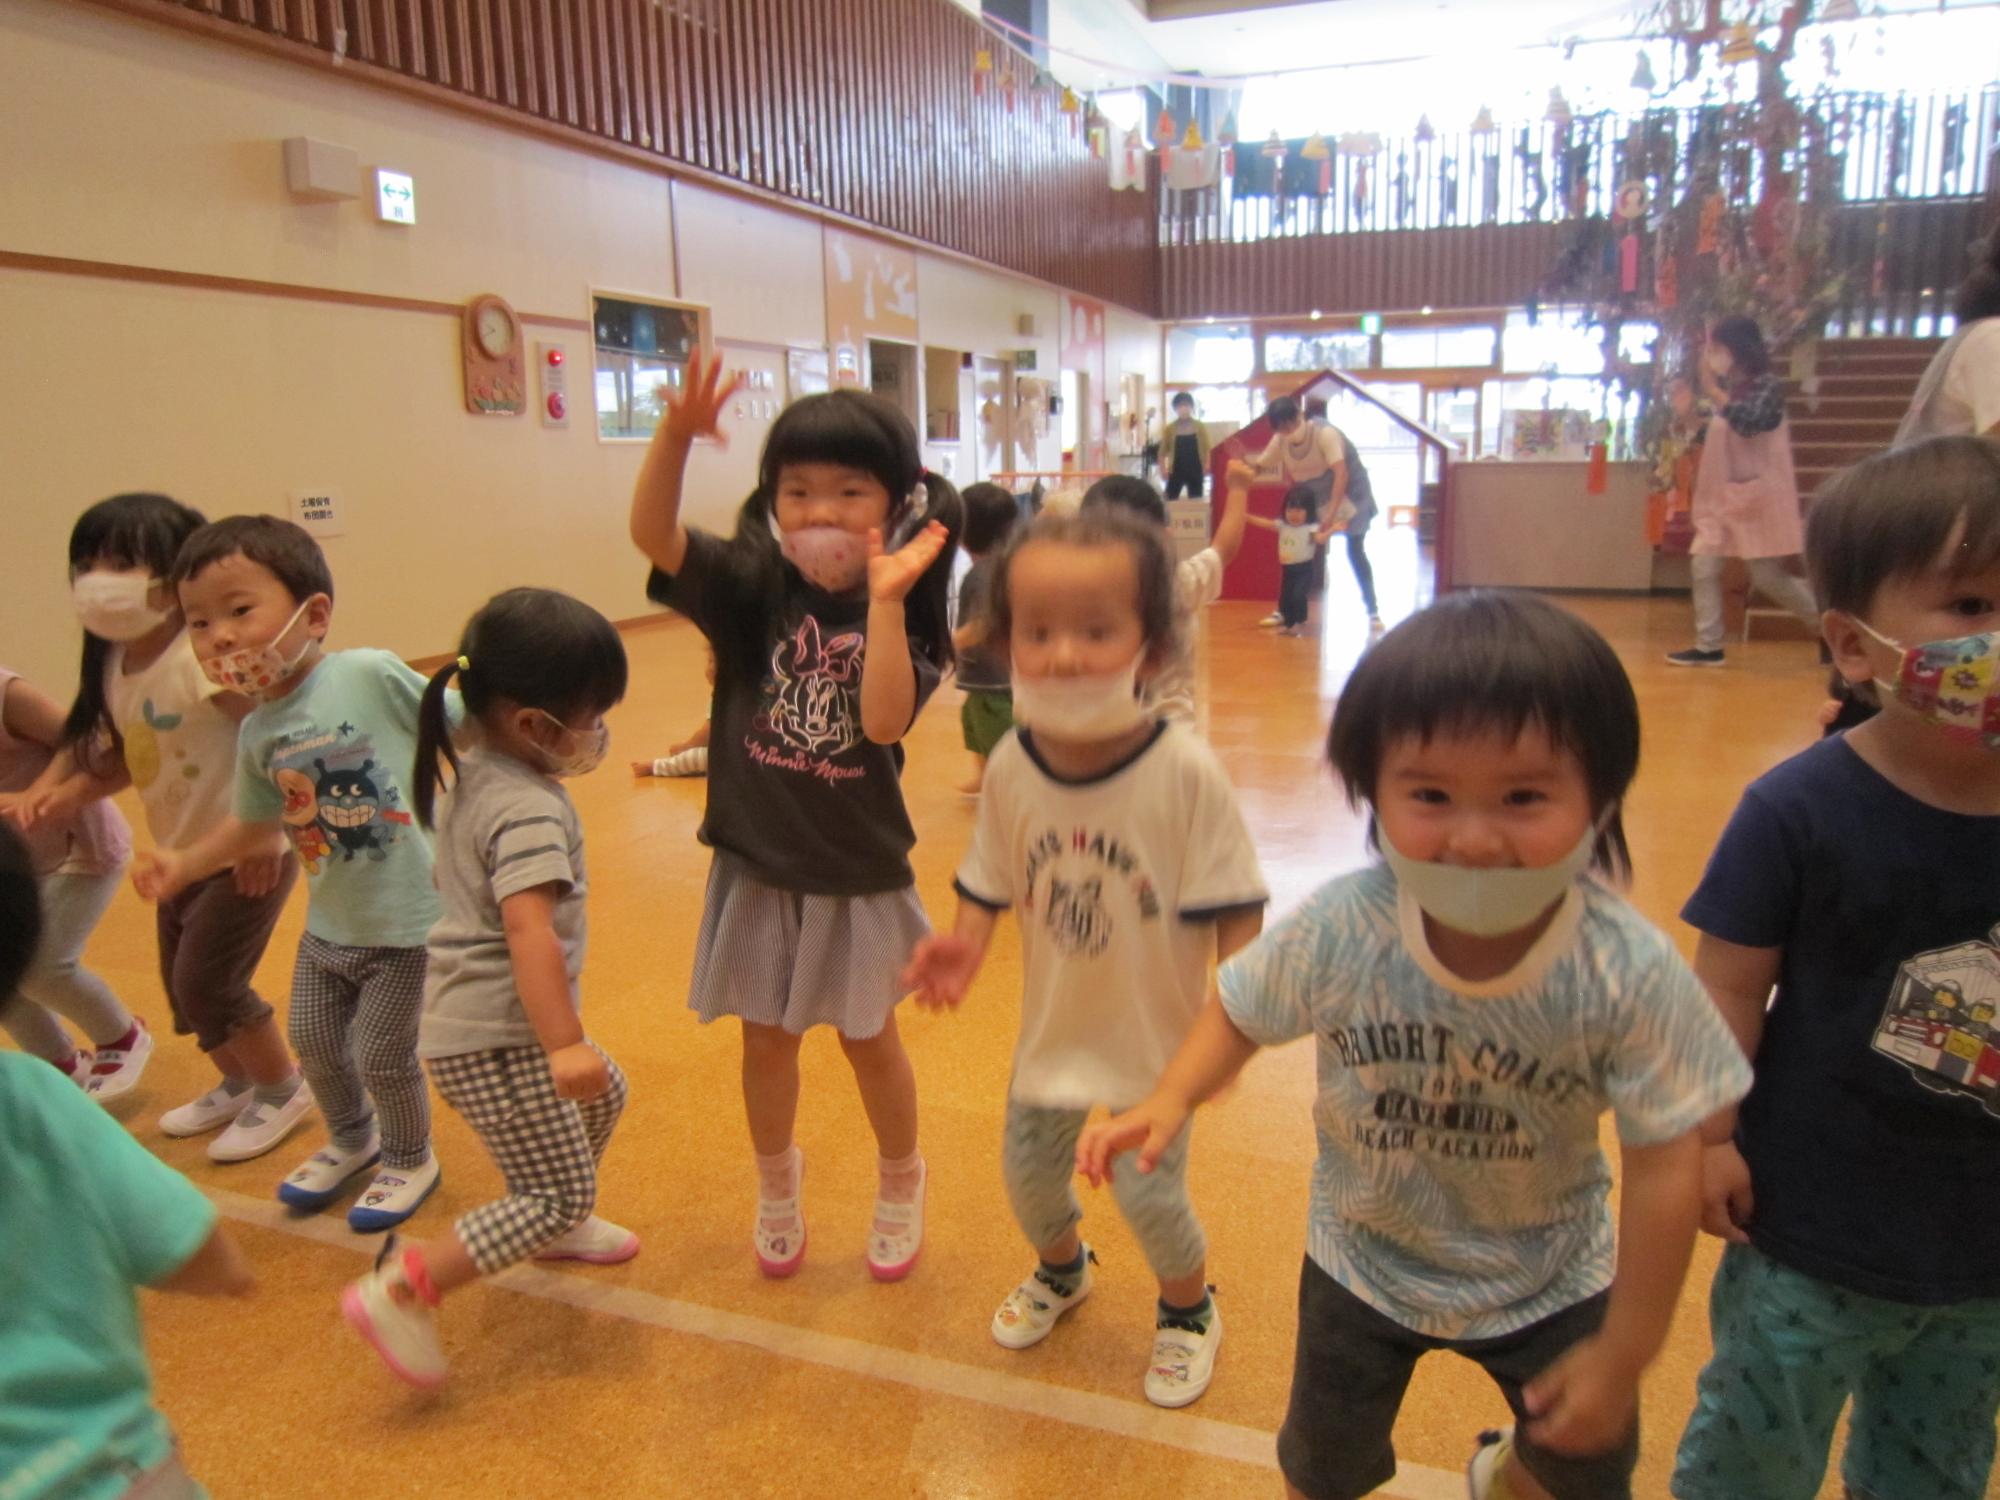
1857	1184
1187	450
324	754
1295	564
1197	579
990	514
88	1215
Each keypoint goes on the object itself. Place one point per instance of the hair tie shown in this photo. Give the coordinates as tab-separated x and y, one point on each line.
464	664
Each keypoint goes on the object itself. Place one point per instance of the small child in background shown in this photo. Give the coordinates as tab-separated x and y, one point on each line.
690	756
1115	835
1476	1004
988	712
322	757
1297	541
503	1027
89	1215
1170	690
79	859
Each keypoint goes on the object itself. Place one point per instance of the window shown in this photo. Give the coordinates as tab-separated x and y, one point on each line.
1436	348
642	349
1220	403
1560	341
1306	352
1210	355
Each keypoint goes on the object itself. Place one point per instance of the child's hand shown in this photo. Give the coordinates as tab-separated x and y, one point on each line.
695	410
259	875
1150	1129
579	1071
1726	1200
891	575
940	971
1828	712
1240	472
19	808
158	874
1586	1401
643	767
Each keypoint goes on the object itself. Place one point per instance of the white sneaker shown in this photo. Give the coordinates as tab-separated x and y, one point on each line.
116	1070
1183	1361
385	1310
392	1197
891	1257
322	1177
77	1069
781	1252
597	1241
216	1107
1033	1307
1490	1458
259	1127
1273	618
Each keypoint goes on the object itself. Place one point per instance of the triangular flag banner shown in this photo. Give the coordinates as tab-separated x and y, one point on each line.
1192	140
1193	167
982	70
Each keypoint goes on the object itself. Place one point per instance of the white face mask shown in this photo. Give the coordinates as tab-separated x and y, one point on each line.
113	606
1487	902
256	671
588	754
1081	709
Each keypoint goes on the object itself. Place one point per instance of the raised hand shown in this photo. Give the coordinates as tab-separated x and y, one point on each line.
695	410
891	575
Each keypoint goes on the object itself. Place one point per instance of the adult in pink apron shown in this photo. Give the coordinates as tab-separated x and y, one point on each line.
1746	491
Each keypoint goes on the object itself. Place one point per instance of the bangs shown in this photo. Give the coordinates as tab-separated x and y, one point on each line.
851	429
136	530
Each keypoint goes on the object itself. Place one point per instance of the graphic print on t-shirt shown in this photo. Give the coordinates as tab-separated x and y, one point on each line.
1939	1022
1073	909
340	803
811	701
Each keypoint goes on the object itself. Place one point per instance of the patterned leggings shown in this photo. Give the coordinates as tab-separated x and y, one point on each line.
546	1147
1039	1159
360	1006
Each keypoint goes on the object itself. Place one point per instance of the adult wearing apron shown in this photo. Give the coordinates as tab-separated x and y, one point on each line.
1311	458
1746	492
1959	395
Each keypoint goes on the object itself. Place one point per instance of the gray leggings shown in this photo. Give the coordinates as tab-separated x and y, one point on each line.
57	983
1039	1158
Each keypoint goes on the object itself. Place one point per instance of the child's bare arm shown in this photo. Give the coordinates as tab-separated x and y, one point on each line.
693	411
1236	928
1214	1053
217	1269
1228	538
1739	981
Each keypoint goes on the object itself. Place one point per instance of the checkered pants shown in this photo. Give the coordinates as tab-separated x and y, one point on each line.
354	1026
546	1147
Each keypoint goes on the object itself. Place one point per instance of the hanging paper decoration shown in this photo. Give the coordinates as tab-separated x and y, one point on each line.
1482	123
1558	111
1740	45
1632	199
1009	88
1667	284
1708	237
1642	75
1360	143
1363	194
1072	109
1192	141
1044	82
1316	149
1426	133
1227	137
982	70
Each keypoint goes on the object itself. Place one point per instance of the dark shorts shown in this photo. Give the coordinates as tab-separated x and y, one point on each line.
211	941
1352	1366
986	717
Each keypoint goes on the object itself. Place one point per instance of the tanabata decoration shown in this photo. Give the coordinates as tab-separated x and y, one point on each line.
1426	132
1072	110
1316	149
1227	137
982	70
1708	235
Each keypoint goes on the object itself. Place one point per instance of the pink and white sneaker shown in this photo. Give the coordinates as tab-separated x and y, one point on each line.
596	1241
892	1254
387	1310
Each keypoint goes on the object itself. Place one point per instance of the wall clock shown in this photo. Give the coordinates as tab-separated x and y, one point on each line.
496	381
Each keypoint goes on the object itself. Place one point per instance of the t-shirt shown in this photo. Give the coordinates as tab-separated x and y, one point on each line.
1873	1130
179	747
1197	584
1460	1188
1960	392
982	667
1117	881
88	1214
794	787
1307	452
94	842
329	758
1295	544
503	830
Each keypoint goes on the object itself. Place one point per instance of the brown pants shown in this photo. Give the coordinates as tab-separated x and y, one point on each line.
211	939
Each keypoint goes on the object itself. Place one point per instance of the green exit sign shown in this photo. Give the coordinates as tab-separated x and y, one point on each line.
1371	323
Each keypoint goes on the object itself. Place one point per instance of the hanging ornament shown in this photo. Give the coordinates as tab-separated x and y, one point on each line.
1044	82
1740	45
1164	128
1631	202
1192	141
982	70
1708	236
1426	133
1360	143
1558	112
1010	89
1273	151
1227	137
1628	263
1667	284
1482	123
1072	108
1642	75
1316	149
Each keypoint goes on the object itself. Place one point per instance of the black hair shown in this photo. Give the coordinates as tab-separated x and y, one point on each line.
1895	514
284	548
1484	662
1182	396
990	513
132	530
20	908
1127	493
856	430
1316	407
532	648
1744	340
1979	294
1282	412
1106	525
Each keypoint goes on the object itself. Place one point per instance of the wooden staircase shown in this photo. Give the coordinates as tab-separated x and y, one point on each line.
1862	388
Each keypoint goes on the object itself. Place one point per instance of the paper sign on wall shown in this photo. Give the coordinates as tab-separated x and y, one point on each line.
318	511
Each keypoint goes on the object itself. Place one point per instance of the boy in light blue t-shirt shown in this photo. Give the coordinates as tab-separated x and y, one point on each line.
88	1215
325	755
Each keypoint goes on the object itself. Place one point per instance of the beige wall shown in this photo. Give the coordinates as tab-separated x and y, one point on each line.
137	145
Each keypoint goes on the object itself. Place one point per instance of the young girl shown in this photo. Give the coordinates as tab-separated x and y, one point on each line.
1295	564
146	716
501	1027
828	639
1117	837
1477	1005
78	857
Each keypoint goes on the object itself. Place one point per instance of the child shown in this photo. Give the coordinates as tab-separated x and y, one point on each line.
1296	539
78	859
1170	690
501	1029
827	643
1117	837
1476	1007
320	757
1856	1185
1187	444
988	713
90	1215
146	716
690	756
1321	468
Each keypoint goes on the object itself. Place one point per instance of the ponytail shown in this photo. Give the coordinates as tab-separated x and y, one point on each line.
434	741
928	608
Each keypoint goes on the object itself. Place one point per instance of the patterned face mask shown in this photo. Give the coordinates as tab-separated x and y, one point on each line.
256	671
1953	684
